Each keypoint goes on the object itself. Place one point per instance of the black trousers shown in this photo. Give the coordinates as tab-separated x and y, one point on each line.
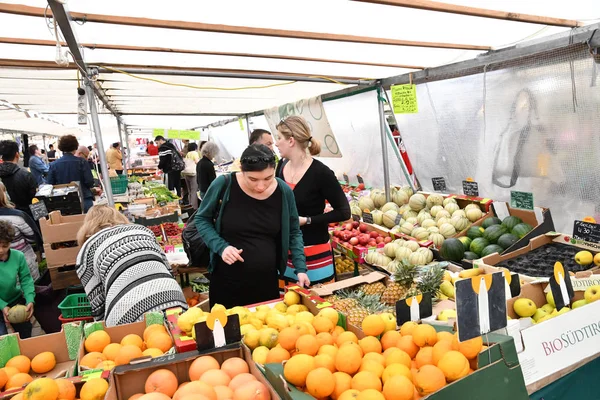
174	178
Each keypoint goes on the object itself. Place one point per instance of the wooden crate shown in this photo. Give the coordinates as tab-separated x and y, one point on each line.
63	277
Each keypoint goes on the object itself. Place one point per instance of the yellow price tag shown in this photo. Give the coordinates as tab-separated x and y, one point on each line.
92	374
184	338
324	305
173	311
485	200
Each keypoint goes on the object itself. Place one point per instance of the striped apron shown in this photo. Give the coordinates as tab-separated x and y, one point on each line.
319	262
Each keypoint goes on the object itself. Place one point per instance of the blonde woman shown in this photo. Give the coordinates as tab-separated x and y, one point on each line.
313	184
26	232
123	270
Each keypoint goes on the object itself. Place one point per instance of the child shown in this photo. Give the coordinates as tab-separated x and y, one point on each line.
14	269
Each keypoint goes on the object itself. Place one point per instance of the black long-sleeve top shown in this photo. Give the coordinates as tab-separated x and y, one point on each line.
205	174
318	185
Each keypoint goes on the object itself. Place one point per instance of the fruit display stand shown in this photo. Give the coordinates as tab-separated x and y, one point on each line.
63	347
116	335
341	239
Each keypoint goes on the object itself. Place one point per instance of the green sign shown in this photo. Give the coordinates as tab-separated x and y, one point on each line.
189	135
523	200
404	99
158	132
177	134
173	134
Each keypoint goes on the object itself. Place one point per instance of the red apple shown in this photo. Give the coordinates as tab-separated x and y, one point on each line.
348	226
387	240
373	234
363	228
353	241
363	239
372	243
355	224
379	239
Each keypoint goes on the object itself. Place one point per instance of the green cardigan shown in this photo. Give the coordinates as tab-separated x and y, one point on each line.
291	236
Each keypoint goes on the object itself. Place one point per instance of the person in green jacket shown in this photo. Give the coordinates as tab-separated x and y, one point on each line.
16	284
249	222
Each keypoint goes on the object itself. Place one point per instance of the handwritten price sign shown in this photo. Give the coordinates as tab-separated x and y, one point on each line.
404	99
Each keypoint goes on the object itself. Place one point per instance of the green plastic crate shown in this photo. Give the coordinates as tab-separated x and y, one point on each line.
119	184
75	306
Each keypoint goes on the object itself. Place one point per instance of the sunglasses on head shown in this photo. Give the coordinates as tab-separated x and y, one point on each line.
256	160
282	122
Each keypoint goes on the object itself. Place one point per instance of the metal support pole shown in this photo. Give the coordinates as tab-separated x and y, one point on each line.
248	126
128	153
122	147
384	152
44	142
99	143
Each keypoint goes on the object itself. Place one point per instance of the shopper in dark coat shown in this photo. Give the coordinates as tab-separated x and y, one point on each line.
20	184
167	154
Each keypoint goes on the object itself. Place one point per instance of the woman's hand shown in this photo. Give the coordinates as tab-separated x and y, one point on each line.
302	220
303	280
29	310
5	311
231	255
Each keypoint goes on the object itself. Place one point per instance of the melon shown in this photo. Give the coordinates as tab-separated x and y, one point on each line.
478	244
394	267
459	223
408	190
507	240
374	193
428	254
448	200
471	206
17	314
390	206
442	214
493	233
452	250
390	249
474	214
459	213
379	199
356	210
412	220
491	249
447	230
443	221
399	241
365	203
423	217
434	210
433	229
469	255
412	245
437	239
377	217
475	232
395	230
389	218
466	241
434	200
451	207
490	221
404	209
409	214
400	197
420	233
407	228
521	230
417	258
417	202
403	252
510	222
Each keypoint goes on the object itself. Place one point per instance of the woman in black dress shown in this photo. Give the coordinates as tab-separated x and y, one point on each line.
250	223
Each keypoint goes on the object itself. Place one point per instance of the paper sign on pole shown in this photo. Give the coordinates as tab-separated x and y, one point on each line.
173	134
313	112
404	99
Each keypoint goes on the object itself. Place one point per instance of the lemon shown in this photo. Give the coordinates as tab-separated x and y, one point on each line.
259	355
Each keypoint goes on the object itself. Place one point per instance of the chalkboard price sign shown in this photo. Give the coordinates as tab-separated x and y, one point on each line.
38	210
586	231
346	179
470	188
398	219
439	184
360	179
355	217
367	217
522	200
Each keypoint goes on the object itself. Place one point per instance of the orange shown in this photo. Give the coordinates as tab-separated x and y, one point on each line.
22	363
159	340
325	361
235	366
132	339
215	377
307	344
429	379
353	345
162	381
106	365
195	387
136	396
223	392
302	328
41	389
159	396
250	391
371	366
128	353
370	394
43	362
90	360
389	339
97	341
424	335
443	335
394	370
153	328
424	357
370	344
111	351
373	325
328	349
324	338
346	337
201	365
322	324
320	382
407	344
343	382
277	354
470	348
288	337
399	388
439	349
66	389
296	369
337	331
10	371
380	358
3	378
348	359
18	396
366	380
454	365
349	394
241	380
18	380
152	352
397	357
407	328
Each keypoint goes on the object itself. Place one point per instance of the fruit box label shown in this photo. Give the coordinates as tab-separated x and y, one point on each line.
560	342
581	284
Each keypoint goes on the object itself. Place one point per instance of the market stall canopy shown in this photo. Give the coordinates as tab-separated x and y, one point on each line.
14	119
332	42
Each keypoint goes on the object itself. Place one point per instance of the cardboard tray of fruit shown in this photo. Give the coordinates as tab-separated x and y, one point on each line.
354	239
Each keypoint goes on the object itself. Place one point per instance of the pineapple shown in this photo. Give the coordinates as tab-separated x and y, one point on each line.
430	280
393	292
403	281
372	288
356	315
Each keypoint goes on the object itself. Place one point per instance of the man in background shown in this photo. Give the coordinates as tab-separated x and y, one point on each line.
20	184
82	152
51	153
37	166
261	136
169	163
114	158
151	149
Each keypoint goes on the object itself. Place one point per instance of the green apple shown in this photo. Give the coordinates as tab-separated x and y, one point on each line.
390	322
578	303
539	313
550	299
562	311
592	293
524	307
446	314
548	308
546	318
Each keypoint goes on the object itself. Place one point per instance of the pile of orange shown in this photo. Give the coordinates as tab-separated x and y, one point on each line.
403	365
62	389
16	372
102	353
209	380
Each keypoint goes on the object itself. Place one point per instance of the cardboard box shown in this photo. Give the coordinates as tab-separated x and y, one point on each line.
117	333
77	381
357	253
499	377
58	228
128	380
65	345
